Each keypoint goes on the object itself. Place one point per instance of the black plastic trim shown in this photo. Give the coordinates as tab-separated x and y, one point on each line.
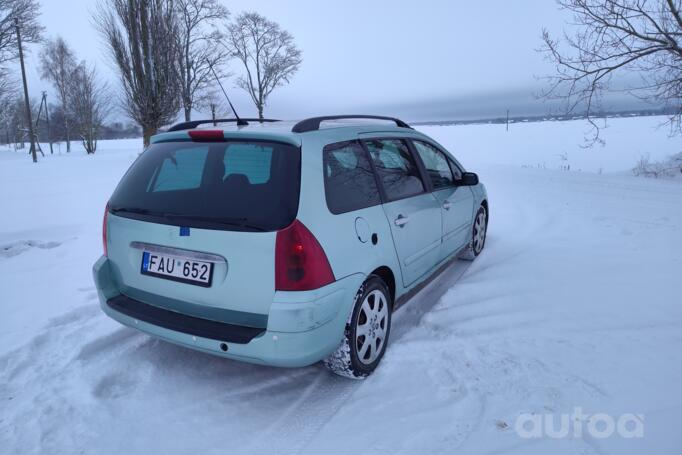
194	123
313	123
205	328
403	299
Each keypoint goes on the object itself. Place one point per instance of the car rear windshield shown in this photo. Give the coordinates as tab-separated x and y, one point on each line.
235	185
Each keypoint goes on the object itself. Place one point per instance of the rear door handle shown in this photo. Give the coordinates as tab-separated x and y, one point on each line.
447	204
401	221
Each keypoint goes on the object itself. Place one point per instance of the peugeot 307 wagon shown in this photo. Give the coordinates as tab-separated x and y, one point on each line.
284	243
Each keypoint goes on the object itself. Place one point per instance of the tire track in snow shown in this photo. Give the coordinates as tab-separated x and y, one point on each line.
303	420
319	402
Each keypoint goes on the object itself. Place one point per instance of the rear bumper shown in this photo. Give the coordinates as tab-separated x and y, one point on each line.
179	322
302	328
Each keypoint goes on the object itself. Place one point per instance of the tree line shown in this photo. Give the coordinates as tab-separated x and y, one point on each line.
167	54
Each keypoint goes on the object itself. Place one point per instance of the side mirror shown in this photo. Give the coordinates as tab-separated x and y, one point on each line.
468	179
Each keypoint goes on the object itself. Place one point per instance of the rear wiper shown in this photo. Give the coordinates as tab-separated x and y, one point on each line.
238	222
130	210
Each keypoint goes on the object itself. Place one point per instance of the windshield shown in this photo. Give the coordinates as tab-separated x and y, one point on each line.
236	185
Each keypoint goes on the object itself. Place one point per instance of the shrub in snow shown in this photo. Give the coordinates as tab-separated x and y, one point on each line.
668	168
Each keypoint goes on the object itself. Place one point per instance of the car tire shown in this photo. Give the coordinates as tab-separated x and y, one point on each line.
479	229
366	334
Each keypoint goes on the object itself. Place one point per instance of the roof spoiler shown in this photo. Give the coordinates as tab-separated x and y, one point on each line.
313	123
194	123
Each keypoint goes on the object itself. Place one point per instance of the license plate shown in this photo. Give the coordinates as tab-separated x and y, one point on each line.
187	271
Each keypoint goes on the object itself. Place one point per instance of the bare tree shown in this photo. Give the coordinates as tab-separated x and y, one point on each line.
27	11
8	85
90	103
12	117
13	112
8	95
214	103
142	38
199	41
58	65
268	53
618	36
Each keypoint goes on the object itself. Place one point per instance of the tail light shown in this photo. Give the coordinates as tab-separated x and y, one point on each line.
206	135
300	261
104	229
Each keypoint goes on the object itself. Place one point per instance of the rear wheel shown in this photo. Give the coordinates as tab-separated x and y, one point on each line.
478	234
366	334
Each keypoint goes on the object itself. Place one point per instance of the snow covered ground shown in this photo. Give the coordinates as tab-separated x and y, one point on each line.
575	303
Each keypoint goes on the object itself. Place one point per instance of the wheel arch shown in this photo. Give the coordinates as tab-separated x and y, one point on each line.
388	277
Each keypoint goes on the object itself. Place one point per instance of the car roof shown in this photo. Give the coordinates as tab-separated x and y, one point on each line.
282	131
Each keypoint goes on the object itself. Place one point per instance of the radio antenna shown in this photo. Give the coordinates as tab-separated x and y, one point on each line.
240	122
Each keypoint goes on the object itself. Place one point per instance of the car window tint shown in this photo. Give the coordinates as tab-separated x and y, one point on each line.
249	159
436	165
349	183
456	170
180	170
227	185
395	167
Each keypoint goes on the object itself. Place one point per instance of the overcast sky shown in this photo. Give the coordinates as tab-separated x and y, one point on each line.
422	60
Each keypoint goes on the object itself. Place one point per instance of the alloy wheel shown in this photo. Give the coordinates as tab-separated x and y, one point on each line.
372	326
479	231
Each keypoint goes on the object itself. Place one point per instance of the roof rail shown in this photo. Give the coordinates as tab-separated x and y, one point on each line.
194	123
313	123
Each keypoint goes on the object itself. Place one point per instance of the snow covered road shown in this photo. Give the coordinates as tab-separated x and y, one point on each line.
575	303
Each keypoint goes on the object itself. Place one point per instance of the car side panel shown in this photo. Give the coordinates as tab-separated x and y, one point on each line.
417	242
336	233
457	218
346	238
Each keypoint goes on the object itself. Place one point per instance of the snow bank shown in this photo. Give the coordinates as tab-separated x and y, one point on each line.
558	145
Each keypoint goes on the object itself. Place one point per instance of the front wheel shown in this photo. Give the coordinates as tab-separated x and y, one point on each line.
366	334
478	234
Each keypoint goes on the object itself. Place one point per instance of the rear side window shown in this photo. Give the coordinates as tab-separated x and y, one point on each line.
436	165
240	185
396	168
349	182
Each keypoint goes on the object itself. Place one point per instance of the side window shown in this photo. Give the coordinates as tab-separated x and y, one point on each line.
180	170
436	165
251	160
456	170
349	183
396	168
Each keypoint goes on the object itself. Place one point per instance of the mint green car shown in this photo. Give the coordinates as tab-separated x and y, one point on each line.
285	244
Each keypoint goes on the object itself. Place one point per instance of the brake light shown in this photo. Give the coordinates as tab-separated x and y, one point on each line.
300	261
206	135
104	229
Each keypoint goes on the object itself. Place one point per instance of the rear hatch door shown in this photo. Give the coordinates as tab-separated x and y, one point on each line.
208	212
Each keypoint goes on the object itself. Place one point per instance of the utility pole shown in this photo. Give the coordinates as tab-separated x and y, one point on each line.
26	100
507	119
47	120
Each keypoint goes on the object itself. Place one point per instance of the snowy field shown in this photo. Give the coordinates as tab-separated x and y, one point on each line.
575	303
